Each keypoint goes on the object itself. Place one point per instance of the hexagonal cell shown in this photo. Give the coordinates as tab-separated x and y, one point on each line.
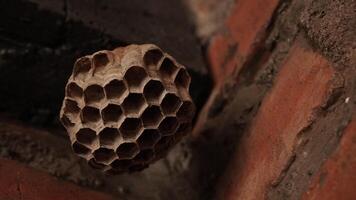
104	155
152	57
109	136
71	107
186	111
100	60
121	164
111	113
74	91
182	79
66	121
134	104
131	127
144	155
80	149
168	126
127	150
86	136
152	116
153	91
93	94
90	114
170	103
81	67
92	163
115	89
148	138
168	69
135	76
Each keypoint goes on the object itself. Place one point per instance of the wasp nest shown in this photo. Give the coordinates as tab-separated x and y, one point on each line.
125	108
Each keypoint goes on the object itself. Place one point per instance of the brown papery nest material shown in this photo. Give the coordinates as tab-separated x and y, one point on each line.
124	109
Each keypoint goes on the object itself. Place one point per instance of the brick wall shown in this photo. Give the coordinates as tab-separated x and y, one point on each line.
278	124
297	139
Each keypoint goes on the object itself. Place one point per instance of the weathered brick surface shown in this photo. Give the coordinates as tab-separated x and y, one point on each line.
266	149
337	178
243	30
20	182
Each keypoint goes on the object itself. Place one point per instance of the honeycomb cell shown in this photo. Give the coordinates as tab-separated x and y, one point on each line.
168	69
186	111
66	122
115	89
168	126
127	150
134	104
90	114
104	155
74	91
165	140
182	79
86	136
95	164
109	136
100	60
111	113
153	91
148	138
71	107
121	164
170	103
152	57
82	67
80	149
145	155
93	94
152	116
136	76
131	127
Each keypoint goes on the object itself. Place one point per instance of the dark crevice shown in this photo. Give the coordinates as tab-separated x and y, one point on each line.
261	50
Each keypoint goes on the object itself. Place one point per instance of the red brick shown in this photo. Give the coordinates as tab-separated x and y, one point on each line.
337	177
218	55
263	152
244	27
20	182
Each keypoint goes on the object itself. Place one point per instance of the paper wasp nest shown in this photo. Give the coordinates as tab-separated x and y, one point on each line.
124	109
